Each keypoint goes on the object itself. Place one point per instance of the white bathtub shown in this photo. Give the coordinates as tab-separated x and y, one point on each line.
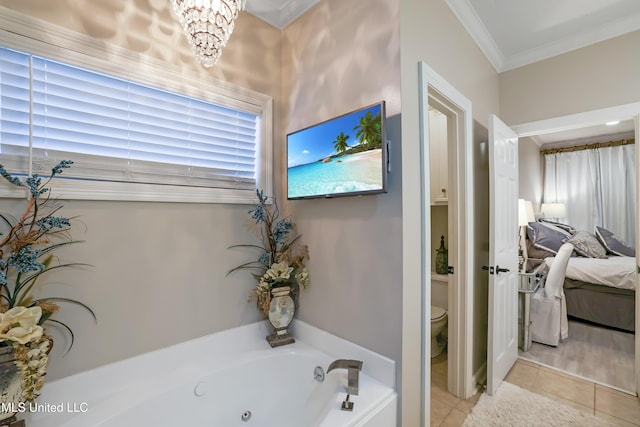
228	379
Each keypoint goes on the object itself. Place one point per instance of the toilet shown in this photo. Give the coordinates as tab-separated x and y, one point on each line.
438	324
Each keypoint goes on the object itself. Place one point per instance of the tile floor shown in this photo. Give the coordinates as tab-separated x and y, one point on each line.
446	409
618	408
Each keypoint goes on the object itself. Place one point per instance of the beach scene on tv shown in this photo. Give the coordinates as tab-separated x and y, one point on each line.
342	155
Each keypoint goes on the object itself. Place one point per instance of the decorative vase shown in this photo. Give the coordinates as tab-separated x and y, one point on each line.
281	311
22	371
10	386
442	258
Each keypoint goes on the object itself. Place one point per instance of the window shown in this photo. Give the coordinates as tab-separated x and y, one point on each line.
130	140
597	186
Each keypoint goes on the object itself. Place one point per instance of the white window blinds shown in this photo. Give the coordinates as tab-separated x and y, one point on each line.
14	110
117	130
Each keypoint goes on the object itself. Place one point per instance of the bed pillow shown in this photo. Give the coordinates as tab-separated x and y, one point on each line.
546	236
587	245
566	227
533	252
613	245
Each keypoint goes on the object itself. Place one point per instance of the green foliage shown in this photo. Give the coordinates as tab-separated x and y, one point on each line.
340	143
369	131
280	260
27	249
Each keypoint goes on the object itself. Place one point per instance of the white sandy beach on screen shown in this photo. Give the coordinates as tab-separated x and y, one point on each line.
364	155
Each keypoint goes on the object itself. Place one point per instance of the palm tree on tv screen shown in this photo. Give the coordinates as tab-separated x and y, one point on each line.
340	143
369	131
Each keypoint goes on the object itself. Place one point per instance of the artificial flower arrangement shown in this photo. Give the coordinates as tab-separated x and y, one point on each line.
27	246
281	260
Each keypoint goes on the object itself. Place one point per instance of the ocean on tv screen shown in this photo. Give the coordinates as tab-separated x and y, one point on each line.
340	156
359	172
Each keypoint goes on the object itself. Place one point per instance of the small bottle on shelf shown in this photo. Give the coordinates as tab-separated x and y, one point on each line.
442	258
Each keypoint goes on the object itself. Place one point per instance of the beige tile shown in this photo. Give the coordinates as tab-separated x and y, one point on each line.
467	405
443	398
440	369
566	387
528	363
587	409
564	374
439	412
523	375
438	380
442	403
440	364
617	404
614	421
616	408
454	419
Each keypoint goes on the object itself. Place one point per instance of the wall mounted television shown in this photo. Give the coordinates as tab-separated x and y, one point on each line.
344	156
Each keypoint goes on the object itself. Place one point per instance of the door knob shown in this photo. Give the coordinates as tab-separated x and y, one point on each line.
501	270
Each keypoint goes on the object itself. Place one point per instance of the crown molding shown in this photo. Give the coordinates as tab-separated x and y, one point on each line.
471	21
467	15
594	35
279	13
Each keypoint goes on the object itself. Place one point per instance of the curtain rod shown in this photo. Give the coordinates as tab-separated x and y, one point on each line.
588	146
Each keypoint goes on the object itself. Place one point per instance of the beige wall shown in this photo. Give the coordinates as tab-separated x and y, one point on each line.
430	32
158	275
530	168
594	77
343	55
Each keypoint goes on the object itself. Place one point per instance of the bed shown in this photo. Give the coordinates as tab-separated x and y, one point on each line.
600	281
601	291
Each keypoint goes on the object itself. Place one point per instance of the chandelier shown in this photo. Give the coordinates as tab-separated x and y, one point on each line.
207	25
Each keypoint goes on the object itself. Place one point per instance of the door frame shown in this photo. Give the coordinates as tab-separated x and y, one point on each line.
460	153
589	118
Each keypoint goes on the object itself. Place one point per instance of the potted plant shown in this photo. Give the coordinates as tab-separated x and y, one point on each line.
27	253
279	269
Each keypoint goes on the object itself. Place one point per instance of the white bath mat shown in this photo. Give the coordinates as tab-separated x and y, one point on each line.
515	406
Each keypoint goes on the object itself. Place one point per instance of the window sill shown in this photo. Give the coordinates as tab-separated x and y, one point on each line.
119	191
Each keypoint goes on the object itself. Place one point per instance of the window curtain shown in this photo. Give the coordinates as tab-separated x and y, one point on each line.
618	186
597	187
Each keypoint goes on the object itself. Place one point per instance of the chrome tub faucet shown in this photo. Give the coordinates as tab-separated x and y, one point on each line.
353	368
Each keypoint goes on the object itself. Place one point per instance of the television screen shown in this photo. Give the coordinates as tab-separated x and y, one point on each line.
343	156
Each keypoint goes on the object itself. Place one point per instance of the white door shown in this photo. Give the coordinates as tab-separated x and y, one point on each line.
502	346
